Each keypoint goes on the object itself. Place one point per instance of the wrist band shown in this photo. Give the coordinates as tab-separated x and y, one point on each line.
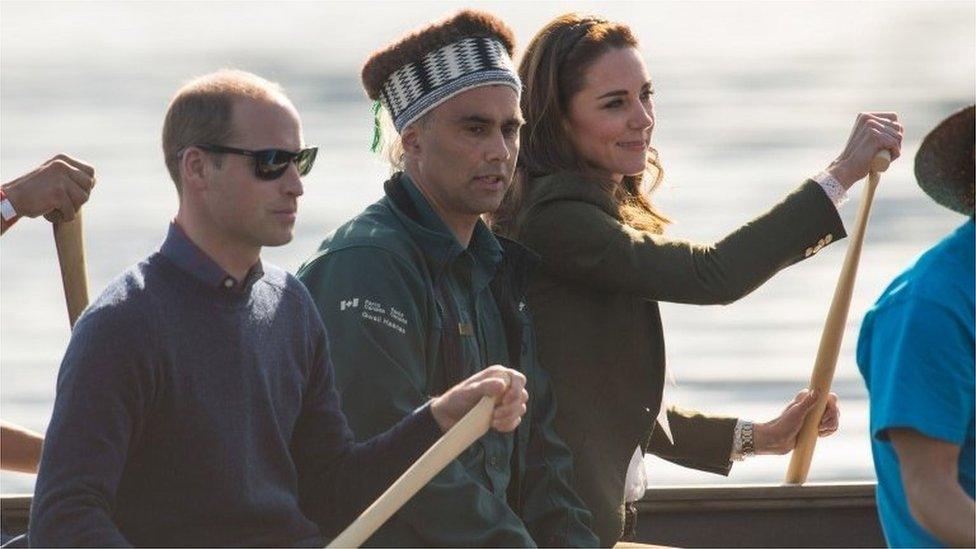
7	210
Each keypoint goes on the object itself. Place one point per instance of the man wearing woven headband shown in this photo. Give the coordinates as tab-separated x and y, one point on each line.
916	353
417	292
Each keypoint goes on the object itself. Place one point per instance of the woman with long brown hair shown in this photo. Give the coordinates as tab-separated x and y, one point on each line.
582	201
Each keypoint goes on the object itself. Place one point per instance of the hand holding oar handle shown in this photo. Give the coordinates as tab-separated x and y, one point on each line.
880	164
57	189
833	332
70	243
469	429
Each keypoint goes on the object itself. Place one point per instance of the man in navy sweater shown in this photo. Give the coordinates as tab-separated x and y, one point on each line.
196	401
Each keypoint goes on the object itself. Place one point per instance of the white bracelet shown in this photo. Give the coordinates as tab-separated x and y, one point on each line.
7	210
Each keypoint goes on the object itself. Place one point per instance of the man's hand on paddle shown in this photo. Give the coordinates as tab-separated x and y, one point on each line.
55	190
505	385
779	435
872	133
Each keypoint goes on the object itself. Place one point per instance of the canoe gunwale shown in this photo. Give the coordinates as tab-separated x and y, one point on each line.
738	515
812	515
666	499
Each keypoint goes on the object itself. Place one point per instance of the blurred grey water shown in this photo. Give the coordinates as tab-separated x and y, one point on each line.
751	98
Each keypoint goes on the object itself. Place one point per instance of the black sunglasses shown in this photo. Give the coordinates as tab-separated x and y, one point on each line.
270	164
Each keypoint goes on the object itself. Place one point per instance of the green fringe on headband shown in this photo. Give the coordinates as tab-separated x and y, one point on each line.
377	128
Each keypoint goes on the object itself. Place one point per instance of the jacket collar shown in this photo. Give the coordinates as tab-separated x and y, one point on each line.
570	186
439	245
426	228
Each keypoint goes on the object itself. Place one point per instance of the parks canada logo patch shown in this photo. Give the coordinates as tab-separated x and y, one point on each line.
374	311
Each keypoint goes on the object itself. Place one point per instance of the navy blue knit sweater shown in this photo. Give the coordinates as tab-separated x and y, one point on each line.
193	410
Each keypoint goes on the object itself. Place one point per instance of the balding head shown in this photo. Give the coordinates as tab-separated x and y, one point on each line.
202	112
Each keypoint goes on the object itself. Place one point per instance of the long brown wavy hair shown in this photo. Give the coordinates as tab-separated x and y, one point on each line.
553	71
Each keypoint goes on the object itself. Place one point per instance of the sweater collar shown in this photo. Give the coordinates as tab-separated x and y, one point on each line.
186	255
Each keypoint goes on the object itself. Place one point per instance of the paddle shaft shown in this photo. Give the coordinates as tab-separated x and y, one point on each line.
71	255
472	426
833	332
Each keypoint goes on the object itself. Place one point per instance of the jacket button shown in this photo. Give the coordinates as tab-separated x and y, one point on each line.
829	238
809	252
493	462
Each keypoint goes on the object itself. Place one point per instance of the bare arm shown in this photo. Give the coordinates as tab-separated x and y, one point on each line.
929	471
21	448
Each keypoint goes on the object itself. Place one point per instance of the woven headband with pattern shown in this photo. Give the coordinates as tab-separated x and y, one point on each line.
416	88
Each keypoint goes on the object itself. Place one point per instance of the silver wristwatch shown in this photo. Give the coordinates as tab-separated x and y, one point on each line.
743	440
748	439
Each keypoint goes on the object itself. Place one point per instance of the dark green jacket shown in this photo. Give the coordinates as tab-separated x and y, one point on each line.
594	304
410	312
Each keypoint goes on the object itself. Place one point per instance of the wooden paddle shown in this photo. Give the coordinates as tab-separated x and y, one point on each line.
70	243
833	332
472	426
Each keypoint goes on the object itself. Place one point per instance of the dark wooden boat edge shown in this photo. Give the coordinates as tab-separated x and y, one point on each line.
836	514
840	514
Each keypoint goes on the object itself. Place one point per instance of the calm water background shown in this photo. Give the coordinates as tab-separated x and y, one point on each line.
751	99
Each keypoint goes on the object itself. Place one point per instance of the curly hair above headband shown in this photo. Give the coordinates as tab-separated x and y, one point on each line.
464	24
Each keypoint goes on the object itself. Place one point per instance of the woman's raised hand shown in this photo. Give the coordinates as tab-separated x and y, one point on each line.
872	133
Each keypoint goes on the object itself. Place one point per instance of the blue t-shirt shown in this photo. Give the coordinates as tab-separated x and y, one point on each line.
916	353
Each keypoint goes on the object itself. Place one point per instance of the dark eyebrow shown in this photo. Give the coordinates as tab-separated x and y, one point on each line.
475	119
615	93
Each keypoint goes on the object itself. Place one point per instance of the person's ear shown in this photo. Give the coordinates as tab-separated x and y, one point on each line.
412	139
195	169
567	125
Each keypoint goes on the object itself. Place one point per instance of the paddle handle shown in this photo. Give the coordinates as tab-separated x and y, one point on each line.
71	255
880	162
472	426
833	332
